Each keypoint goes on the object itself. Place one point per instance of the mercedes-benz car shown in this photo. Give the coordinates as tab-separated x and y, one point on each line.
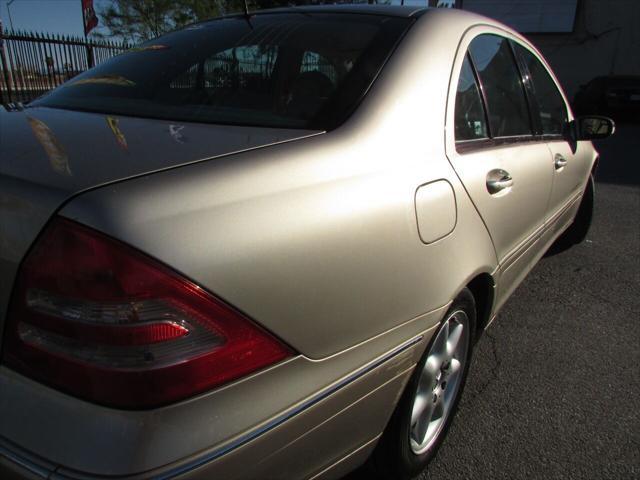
263	246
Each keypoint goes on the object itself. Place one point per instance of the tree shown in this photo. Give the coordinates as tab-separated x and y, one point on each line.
139	20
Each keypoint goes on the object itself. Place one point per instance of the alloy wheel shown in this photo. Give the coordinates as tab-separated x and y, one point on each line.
439	382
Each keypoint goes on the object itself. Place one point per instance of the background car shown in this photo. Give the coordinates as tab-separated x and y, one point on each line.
264	246
617	96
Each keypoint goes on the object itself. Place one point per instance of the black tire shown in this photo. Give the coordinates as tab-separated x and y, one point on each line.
394	457
578	230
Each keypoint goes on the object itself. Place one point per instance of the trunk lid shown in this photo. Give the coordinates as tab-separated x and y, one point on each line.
49	155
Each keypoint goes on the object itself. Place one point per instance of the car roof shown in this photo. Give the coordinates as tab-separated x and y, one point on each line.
398	11
405	11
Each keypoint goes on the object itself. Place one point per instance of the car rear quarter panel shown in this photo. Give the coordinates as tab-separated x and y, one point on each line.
25	208
317	240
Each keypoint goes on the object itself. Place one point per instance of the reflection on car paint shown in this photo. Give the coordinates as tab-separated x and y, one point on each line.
176	133
58	158
148	48
116	80
120	138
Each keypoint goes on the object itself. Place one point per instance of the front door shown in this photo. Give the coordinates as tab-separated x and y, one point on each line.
571	160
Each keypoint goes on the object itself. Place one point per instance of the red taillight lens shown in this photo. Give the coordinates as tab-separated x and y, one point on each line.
100	320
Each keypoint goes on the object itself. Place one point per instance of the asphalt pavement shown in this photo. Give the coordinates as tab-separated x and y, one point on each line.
554	385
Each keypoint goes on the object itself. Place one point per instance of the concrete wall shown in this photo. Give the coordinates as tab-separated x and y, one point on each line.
605	41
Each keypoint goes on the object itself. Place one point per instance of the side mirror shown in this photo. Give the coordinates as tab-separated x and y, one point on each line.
593	127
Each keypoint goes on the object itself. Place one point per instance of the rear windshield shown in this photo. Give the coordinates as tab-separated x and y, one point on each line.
293	70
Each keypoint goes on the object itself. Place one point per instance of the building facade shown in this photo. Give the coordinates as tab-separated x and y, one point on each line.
581	39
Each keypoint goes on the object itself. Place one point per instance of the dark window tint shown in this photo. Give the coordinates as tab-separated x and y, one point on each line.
288	70
470	123
551	107
314	62
500	77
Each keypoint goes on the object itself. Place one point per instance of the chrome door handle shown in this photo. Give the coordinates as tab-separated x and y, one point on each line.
559	161
498	180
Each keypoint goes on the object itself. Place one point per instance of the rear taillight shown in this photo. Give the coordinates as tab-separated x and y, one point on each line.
100	320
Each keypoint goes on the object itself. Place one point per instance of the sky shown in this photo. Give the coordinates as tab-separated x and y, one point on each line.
54	16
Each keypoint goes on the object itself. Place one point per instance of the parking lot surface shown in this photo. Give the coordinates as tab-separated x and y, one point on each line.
554	385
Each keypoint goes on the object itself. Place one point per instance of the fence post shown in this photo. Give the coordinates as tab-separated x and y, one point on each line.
31	61
90	60
5	72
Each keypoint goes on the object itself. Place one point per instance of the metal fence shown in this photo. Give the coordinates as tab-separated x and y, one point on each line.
33	63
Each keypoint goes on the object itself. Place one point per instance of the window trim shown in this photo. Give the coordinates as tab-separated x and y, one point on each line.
525	81
534	103
468	146
536	135
481	84
483	95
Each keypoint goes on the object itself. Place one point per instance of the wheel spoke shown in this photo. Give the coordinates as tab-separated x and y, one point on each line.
454	368
453	342
445	337
431	368
421	426
455	371
419	406
439	347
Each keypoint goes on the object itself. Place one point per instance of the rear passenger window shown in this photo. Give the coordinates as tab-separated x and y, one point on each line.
500	77
470	123
551	107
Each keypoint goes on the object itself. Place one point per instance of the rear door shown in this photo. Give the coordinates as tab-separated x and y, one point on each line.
571	161
506	169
